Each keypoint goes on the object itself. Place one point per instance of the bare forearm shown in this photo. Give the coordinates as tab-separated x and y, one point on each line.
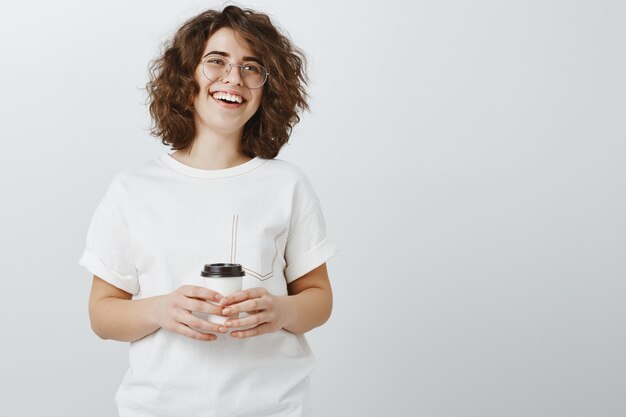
307	310
123	320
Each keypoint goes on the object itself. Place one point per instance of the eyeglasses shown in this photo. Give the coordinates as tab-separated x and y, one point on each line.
215	67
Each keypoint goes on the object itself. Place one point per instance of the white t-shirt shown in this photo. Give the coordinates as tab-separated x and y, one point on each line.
156	227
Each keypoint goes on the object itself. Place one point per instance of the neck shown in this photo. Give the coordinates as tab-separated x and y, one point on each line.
213	150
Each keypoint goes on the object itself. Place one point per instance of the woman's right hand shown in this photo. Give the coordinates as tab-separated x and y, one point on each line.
173	311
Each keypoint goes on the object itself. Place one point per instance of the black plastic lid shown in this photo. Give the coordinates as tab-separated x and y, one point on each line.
222	270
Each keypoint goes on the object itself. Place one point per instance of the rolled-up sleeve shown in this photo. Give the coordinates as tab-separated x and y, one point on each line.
107	253
308	244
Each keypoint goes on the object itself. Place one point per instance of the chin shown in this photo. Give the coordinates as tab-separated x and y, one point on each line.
226	128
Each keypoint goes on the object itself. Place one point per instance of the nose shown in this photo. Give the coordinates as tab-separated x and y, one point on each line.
233	76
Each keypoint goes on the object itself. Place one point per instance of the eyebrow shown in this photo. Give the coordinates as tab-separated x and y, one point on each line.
227	55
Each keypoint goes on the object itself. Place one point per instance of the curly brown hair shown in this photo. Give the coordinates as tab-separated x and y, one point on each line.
172	86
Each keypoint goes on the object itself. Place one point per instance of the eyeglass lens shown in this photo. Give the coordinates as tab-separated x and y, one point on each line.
252	74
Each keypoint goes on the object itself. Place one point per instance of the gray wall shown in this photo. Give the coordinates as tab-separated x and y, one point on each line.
469	157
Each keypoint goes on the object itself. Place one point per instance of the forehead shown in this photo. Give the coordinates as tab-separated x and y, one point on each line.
228	40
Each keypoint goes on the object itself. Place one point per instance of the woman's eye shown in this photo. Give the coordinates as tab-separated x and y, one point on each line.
216	61
251	68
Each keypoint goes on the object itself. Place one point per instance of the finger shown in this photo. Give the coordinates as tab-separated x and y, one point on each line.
237	297
201	293
186	331
192	304
245	306
197	323
255	331
248	321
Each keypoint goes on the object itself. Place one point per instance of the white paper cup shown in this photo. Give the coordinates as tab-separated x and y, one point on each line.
224	278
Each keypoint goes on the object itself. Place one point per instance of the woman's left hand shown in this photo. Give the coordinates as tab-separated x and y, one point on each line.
267	312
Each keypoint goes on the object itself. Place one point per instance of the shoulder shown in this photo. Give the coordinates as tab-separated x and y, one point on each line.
131	176
127	182
282	165
287	170
300	189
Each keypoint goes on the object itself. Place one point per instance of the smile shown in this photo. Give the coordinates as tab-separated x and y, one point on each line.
228	97
229	101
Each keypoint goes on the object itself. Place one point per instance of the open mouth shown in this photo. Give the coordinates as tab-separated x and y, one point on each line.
227	99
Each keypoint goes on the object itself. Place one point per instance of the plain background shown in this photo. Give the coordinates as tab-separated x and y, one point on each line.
469	157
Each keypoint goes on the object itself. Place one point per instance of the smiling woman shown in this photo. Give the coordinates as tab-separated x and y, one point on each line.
225	94
176	83
225	101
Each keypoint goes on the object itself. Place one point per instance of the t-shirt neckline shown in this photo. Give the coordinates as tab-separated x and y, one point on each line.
181	168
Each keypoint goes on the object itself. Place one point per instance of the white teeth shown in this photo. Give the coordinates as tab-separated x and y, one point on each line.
230	97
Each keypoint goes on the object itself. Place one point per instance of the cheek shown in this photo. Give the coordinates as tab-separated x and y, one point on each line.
203	85
256	103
